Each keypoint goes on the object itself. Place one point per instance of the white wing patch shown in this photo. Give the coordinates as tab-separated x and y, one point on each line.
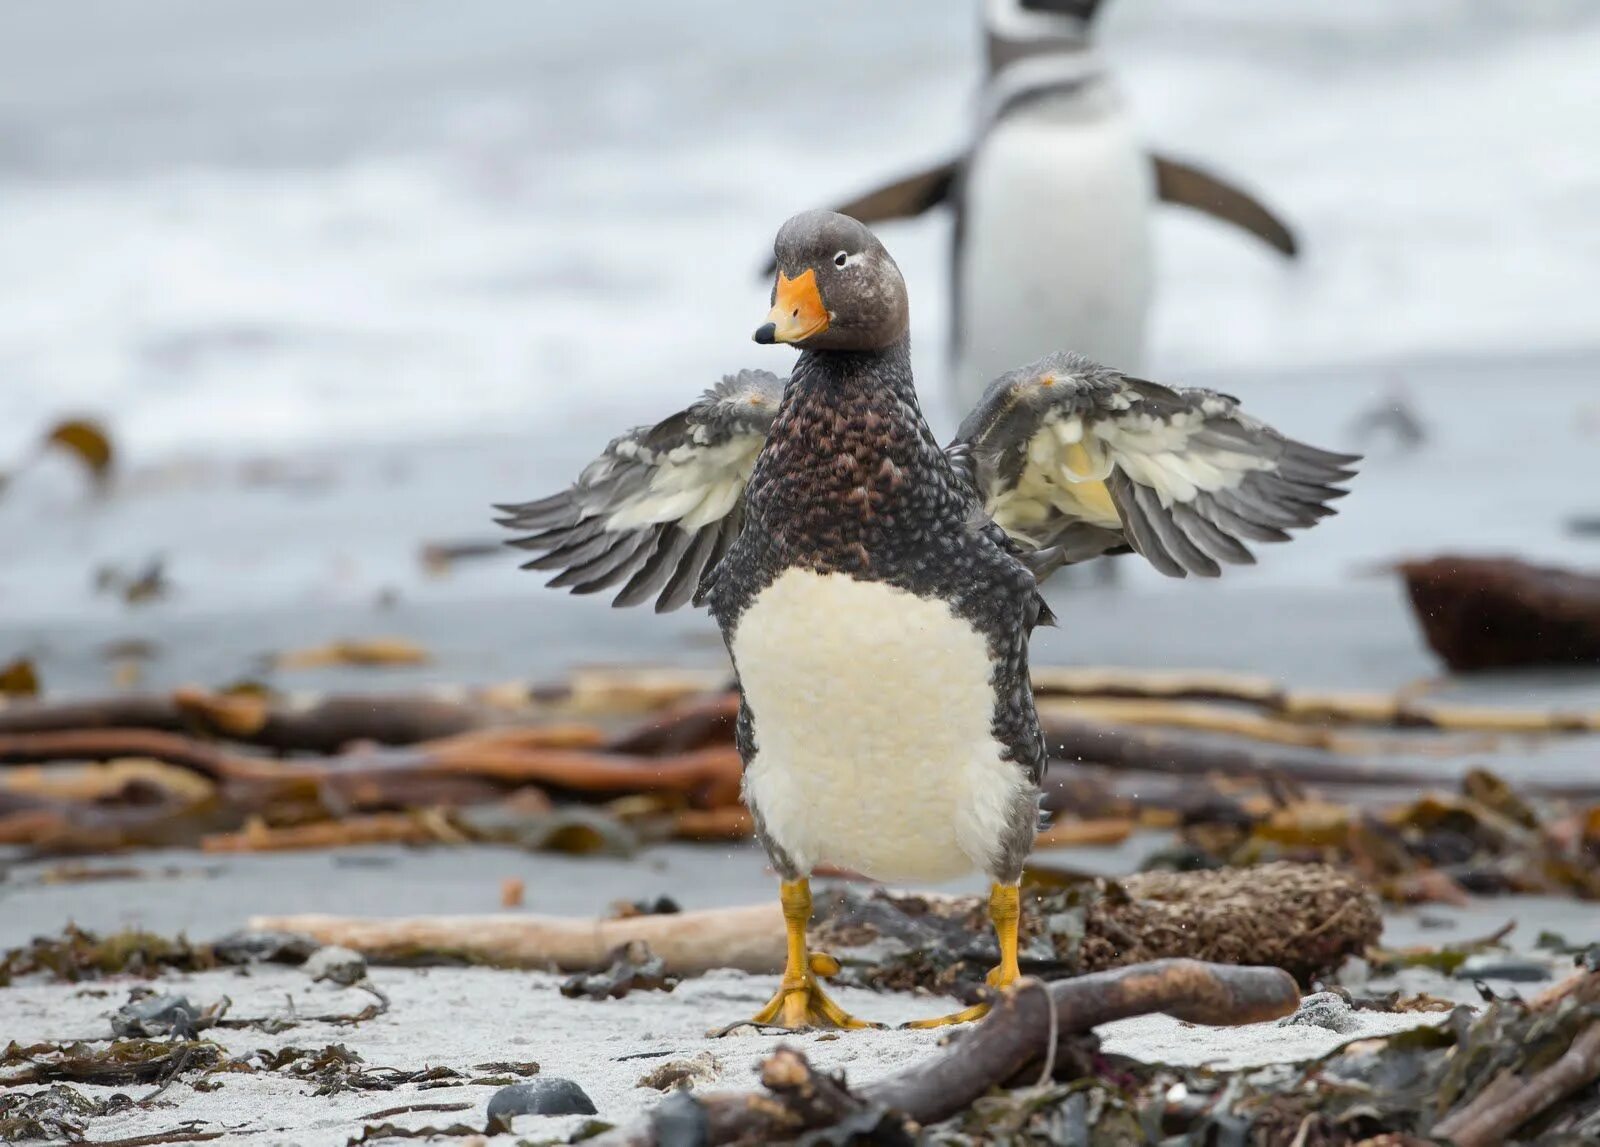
1065	473
657	511
1074	460
694	486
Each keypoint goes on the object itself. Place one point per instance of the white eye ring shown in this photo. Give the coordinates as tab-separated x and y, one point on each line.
841	259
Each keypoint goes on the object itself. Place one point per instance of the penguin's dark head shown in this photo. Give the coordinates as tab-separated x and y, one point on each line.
1020	29
837	288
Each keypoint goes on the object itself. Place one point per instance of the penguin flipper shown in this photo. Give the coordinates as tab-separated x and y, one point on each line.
902	199
918	192
1189	186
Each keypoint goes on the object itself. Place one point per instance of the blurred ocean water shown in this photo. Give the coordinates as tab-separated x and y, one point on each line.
288	222
338	276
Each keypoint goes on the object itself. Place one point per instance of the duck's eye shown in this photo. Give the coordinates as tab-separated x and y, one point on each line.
841	258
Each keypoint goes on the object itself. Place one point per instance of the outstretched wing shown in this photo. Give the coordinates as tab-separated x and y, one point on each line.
1188	186
659	508
1074	460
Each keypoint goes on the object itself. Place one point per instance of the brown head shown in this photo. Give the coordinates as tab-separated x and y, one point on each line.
837	287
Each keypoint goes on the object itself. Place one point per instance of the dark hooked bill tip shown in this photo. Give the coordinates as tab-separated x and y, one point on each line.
766	333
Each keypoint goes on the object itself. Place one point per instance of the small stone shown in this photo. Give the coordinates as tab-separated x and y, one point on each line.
1322	1010
264	948
156	1016
337	965
1502	966
546	1095
680	1121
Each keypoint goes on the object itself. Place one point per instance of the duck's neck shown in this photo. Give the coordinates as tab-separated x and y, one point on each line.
850	467
875	381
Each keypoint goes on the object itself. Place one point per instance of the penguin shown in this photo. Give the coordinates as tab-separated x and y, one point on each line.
876	591
1053	203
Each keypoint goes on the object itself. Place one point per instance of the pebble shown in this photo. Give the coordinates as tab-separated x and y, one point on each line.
1492	966
1322	1010
264	947
680	1121
156	1016
337	965
547	1095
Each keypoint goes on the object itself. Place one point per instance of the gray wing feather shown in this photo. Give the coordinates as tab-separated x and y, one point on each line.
658	510
1074	460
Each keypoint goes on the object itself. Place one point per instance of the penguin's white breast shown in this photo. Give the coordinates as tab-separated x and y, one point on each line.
1055	239
873	718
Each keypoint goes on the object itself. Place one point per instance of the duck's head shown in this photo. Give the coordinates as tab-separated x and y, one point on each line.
837	288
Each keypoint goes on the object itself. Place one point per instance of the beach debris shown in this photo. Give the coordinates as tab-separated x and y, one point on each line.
356	652
1097	832
122	1061
374	1132
1504	966
148	1014
1445	958
58	1112
682	1074
82	439
502	1072
78	955
19	678
1304	918
415	827
1322	1010
411	1108
1035	1032
438	558
1491	613
546	1095
336	1068
1517	1071
88	442
577	830
633	967
1437	848
689	943
336	965
656	906
135	587
263	948
1192	753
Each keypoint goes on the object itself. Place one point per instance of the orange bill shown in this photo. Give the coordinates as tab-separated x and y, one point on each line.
797	311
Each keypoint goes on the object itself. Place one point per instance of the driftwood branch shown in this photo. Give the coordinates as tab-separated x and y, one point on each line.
1233	722
325	725
750	939
1302	917
510	756
1017	1035
1397	710
1154	751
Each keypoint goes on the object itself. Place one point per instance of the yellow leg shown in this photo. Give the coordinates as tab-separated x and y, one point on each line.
800	1003
1005	909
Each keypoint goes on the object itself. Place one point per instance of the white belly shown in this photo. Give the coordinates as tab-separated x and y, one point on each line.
873	719
1056	241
